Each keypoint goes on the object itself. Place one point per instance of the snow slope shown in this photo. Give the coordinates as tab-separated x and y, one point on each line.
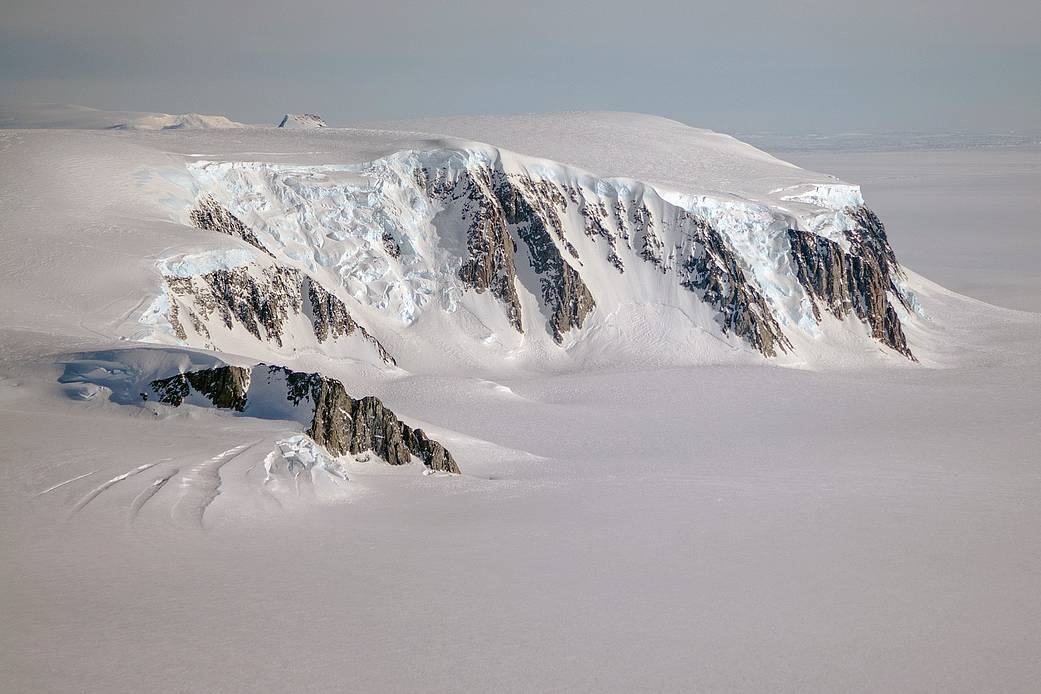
651	503
82	117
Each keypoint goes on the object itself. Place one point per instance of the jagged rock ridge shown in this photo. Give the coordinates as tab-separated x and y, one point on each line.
335	420
860	280
709	266
225	387
489	265
261	298
345	425
496	206
493	209
210	215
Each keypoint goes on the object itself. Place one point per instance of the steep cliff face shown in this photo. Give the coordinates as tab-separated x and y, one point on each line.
259	295
451	228
860	280
333	419
260	299
345	425
224	387
210	215
331	319
498	209
532	211
709	266
468	199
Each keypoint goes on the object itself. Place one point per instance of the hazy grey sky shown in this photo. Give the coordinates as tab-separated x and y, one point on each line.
797	66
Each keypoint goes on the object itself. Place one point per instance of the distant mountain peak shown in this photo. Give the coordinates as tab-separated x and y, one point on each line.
302	120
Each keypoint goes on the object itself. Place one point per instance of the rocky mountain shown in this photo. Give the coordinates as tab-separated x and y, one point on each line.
334	420
302	121
559	252
426	255
259	295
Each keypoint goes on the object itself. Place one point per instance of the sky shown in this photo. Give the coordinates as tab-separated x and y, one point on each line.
802	66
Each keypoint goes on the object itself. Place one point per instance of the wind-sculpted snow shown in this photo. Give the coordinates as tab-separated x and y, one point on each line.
477	227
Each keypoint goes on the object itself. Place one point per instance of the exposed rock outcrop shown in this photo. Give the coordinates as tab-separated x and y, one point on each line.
261	299
493	207
859	281
488	265
302	121
497	208
210	215
331	319
345	425
225	387
710	267
531	211
335	420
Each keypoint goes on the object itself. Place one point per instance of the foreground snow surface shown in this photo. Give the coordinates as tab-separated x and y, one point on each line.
714	528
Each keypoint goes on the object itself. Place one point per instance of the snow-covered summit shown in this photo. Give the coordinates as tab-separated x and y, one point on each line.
302	121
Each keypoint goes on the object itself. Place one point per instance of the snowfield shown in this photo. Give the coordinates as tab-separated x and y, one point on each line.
648	499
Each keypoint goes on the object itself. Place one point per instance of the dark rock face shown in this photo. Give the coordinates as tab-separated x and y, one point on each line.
710	267
345	425
260	301
433	454
331	319
212	216
391	245
857	281
493	207
225	387
490	247
302	120
500	209
263	299
334	419
596	216
531	212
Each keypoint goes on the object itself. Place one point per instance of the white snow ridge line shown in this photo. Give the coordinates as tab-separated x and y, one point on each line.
141	499
62	484
115	480
200	485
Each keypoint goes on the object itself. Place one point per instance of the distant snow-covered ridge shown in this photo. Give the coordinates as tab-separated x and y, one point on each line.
550	254
67	116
